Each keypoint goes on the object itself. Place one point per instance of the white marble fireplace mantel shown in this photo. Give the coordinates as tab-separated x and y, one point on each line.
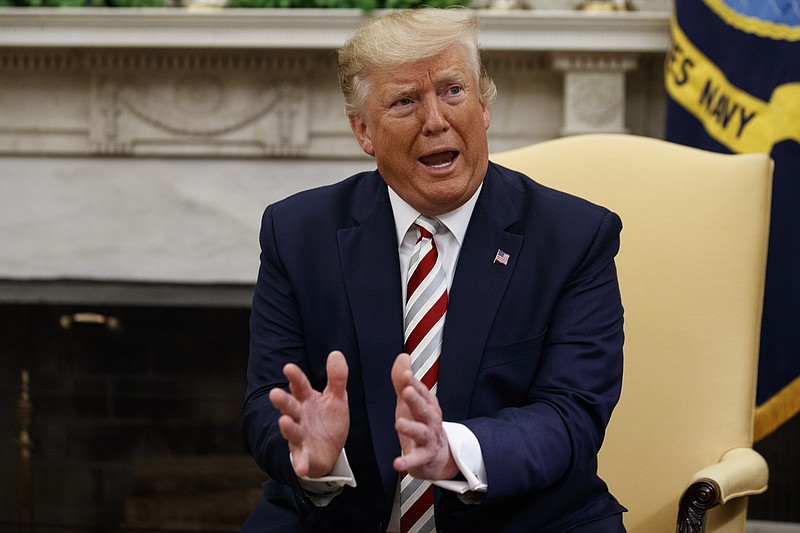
501	30
141	145
261	82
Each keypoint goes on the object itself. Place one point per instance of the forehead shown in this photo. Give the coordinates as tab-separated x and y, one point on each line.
449	65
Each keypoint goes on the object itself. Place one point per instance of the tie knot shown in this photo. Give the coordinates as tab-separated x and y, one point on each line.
430	224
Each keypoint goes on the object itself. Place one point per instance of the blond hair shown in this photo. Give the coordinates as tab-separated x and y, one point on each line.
402	37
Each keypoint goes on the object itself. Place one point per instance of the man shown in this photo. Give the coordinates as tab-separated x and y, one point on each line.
504	293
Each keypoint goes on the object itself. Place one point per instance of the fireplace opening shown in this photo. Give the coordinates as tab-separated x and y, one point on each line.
135	418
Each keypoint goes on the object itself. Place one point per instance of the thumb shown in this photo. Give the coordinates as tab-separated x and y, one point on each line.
400	368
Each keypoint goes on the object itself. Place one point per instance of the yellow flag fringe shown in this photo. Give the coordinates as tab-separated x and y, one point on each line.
773	413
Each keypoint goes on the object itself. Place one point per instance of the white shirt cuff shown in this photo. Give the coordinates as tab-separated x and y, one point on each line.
466	452
321	491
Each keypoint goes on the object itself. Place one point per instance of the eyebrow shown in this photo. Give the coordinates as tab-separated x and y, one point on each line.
402	91
450	76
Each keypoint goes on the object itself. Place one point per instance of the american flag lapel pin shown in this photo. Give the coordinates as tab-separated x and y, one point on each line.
501	257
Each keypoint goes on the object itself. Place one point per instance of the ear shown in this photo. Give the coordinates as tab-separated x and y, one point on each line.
486	114
361	132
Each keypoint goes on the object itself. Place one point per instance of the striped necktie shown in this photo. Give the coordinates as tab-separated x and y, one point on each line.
426	305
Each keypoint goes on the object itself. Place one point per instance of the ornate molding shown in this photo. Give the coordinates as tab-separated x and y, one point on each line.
167	103
594	62
515	63
594	91
37	60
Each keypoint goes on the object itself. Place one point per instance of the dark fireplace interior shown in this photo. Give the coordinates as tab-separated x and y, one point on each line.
135	420
135	423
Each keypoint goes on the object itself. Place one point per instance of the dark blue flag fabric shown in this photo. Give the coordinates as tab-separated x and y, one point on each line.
732	77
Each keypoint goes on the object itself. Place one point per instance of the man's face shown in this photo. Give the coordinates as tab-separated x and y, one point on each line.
425	123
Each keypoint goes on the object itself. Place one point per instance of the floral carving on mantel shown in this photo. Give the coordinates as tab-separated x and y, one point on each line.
595	99
594	91
181	105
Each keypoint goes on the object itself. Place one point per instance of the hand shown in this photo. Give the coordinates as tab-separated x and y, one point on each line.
418	422
314	423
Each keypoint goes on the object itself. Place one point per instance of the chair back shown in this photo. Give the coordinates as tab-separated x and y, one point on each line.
691	269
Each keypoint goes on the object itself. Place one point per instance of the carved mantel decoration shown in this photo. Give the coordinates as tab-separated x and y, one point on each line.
594	90
149	102
178	103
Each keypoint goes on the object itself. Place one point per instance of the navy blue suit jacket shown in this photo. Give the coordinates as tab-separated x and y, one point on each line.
531	359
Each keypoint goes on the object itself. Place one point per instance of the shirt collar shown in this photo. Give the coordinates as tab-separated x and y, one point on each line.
455	221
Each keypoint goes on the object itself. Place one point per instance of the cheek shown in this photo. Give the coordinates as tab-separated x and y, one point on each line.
396	145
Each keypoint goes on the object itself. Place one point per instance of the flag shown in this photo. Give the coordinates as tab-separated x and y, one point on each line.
732	76
501	257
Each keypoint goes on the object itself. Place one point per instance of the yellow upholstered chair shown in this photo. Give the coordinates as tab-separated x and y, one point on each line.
691	269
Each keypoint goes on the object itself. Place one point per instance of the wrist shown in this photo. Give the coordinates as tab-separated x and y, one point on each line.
341	474
451	470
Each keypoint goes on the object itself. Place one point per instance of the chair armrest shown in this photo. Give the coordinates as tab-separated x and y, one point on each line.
740	472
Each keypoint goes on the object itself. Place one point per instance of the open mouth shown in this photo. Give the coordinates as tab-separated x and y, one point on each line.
439	160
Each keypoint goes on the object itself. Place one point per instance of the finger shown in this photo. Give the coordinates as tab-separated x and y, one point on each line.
298	382
285	402
290	429
413	461
422	405
399	464
401	370
300	462
417	432
336	367
402	464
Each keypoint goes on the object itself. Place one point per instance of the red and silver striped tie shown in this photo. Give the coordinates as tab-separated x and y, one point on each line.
426	305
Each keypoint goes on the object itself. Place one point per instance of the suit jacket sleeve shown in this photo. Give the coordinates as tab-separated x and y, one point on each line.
301	311
276	339
575	365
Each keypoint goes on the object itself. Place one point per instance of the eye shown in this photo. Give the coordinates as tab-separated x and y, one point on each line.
402	102
454	90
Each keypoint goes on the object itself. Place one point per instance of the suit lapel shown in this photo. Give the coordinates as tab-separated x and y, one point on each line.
368	252
477	289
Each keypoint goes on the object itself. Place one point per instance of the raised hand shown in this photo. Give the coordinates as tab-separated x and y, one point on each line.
418	422
314	423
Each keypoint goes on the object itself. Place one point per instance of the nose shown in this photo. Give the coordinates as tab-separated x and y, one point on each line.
433	117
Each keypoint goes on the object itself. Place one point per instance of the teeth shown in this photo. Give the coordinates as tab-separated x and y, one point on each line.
442	165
